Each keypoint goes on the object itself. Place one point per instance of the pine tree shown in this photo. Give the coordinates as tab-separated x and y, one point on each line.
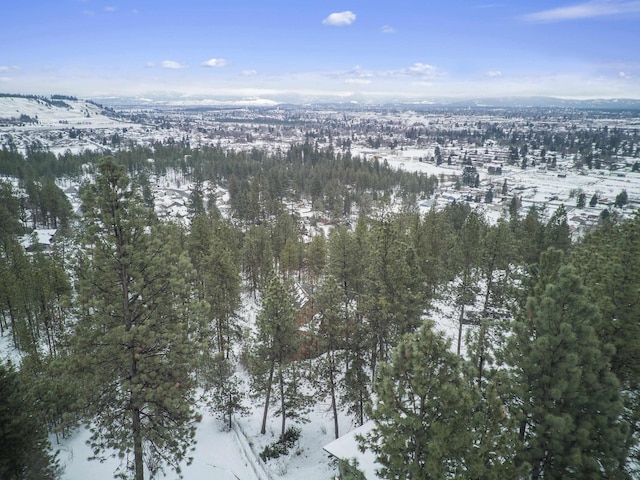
218	281
135	341
467	257
557	234
392	302
331	332
277	340
569	399
421	411
25	452
9	214
608	261
226	394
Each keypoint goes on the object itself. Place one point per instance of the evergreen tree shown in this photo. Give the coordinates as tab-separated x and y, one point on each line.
557	234
621	199
277	341
608	261
226	394
135	341
211	248
196	198
331	332
467	252
316	255
421	411
569	400
392	302
25	452
9	214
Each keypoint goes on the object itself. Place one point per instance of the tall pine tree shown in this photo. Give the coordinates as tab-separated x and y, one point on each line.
421	411
568	398
134	340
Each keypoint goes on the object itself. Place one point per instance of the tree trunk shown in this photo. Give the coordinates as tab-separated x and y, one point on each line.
460	329
282	402
137	444
263	429
332	386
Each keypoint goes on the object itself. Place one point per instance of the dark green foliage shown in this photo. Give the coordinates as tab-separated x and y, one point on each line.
332	330
621	199
24	447
608	261
393	289
277	341
213	250
9	213
225	388
570	407
421	409
282	446
557	233
136	341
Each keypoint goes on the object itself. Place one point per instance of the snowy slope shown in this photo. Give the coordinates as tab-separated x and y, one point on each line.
76	113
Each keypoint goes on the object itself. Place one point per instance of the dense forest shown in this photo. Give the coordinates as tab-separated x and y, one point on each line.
129	318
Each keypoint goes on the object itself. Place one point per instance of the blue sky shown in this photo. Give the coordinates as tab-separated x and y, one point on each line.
269	48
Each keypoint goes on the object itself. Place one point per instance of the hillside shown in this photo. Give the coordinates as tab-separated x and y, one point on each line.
52	112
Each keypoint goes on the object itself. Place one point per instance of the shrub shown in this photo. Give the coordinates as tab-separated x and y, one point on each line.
282	446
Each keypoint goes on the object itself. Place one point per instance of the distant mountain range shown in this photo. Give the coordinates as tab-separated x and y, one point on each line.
357	100
95	106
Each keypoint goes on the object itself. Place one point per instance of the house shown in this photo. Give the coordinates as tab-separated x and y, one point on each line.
346	449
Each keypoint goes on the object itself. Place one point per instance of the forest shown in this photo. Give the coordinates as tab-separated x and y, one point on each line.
130	320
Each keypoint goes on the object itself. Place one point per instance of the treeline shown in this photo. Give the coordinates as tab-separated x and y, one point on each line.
119	327
335	183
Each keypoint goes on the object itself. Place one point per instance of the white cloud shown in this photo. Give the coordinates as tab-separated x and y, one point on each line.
171	65
421	69
387	29
8	68
594	8
494	73
340	19
5	79
88	13
624	75
109	9
249	73
215	62
149	65
357	81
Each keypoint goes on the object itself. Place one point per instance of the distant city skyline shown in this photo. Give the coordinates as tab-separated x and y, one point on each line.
344	49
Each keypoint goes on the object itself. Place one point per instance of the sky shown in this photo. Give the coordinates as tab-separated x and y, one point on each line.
413	49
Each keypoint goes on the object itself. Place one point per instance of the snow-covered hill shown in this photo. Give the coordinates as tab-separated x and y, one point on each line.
20	111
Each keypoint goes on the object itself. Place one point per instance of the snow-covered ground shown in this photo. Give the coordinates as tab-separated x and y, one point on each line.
221	454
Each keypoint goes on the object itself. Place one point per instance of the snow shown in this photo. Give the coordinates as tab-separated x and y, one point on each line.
346	448
79	114
222	454
218	455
